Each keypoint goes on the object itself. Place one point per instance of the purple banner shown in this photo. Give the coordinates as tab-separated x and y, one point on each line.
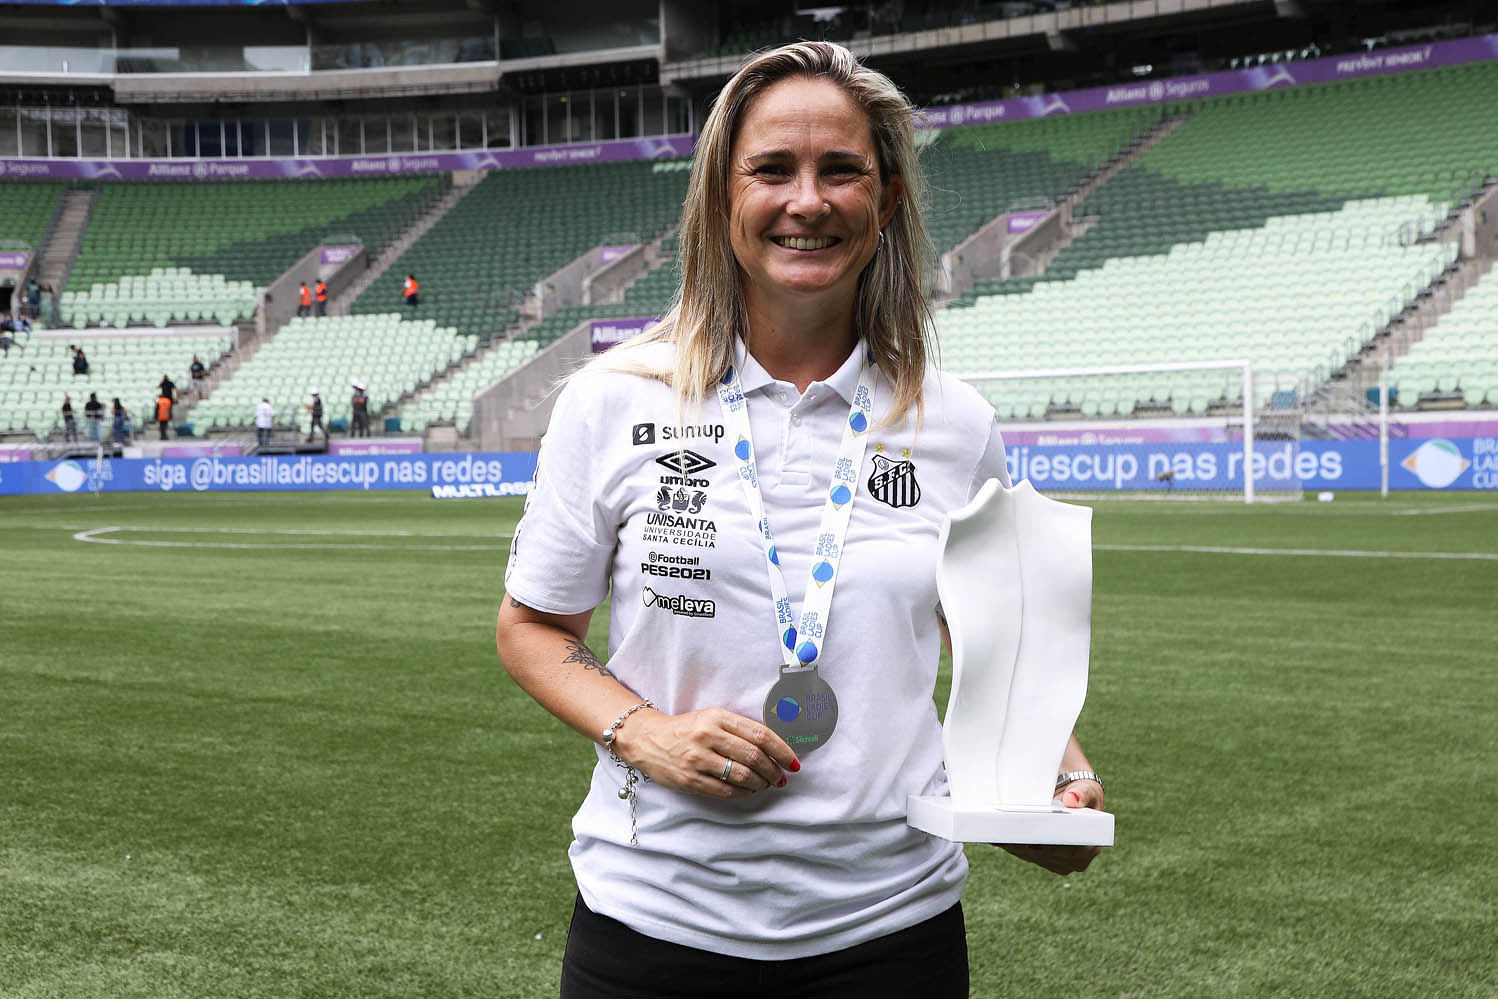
375	447
607	333
609	254
675	147
1077	436
1327	70
1017	222
14	261
11	452
338	254
202	450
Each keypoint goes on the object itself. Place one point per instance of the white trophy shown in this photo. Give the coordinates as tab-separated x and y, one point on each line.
1015	580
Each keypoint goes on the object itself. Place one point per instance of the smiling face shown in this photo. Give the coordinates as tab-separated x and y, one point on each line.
806	200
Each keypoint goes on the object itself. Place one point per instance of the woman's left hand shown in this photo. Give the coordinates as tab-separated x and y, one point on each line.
1064	860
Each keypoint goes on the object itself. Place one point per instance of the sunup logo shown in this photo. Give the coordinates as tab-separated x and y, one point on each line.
1436	463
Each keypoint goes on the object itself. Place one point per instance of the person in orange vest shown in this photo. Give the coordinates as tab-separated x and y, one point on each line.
163	413
409	289
321	292
304	300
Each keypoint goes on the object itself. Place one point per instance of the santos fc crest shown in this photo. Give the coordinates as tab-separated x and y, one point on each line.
893	482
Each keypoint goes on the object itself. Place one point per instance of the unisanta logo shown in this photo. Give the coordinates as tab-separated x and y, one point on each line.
1437	463
67	476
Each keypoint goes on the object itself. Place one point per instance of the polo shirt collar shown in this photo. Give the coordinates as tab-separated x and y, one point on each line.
843	381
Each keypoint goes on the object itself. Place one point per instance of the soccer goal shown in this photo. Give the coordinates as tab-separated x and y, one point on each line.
1182	430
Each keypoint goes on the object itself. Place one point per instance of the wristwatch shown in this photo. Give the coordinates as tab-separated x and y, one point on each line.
1064	779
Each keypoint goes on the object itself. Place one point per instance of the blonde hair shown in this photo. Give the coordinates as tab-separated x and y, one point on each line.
891	311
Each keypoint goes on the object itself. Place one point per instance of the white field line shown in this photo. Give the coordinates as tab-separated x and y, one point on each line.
1301	552
1468	508
93	536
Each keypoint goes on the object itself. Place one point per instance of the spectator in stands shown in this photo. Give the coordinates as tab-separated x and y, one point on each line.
321	293
93	417
167	387
316	407
410	291
8	328
49	305
265	418
163	411
361	411
815	327
69	421
196	373
121	422
304	300
33	299
80	360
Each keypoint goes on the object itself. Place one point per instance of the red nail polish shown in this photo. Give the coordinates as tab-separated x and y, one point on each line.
782	782
795	766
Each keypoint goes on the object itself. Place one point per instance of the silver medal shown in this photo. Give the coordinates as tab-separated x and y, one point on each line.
801	709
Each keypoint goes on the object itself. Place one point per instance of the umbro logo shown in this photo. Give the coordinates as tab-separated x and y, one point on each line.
685	463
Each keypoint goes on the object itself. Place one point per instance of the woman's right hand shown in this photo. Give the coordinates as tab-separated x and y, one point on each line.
694	750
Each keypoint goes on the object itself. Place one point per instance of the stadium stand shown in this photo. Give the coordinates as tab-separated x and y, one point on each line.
980	171
391	355
453	400
516	227
1232	294
32	386
1267	226
26	208
165	295
241	231
1456	361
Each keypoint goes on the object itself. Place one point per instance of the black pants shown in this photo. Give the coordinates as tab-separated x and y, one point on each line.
607	960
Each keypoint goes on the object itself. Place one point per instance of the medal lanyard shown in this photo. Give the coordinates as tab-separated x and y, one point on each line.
836	511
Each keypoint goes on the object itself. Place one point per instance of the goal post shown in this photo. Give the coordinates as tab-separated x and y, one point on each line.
1201	416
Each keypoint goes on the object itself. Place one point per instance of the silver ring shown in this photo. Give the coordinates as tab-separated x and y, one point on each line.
727	766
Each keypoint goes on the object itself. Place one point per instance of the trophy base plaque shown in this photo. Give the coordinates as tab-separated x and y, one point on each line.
935	814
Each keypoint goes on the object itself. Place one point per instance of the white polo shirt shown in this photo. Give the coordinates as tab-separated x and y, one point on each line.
627	495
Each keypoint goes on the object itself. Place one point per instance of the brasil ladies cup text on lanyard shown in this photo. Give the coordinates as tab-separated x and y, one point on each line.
801	708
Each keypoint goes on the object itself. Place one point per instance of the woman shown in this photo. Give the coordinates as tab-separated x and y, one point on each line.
120	422
705	472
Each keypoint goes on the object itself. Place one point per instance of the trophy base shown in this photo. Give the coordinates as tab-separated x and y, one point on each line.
936	815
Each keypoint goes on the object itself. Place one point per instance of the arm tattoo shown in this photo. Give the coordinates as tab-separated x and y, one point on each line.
516	603
580	653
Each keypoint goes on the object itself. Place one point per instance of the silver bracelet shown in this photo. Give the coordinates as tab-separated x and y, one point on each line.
631	775
1064	779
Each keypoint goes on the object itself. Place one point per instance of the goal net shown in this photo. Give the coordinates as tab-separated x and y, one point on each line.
1185	430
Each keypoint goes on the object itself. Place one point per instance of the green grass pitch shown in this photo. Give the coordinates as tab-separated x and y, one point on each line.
259	745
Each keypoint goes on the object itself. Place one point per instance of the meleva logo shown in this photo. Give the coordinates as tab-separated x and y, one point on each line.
1437	463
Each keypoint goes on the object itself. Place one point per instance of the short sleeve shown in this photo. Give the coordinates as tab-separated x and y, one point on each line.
991	463
564	544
